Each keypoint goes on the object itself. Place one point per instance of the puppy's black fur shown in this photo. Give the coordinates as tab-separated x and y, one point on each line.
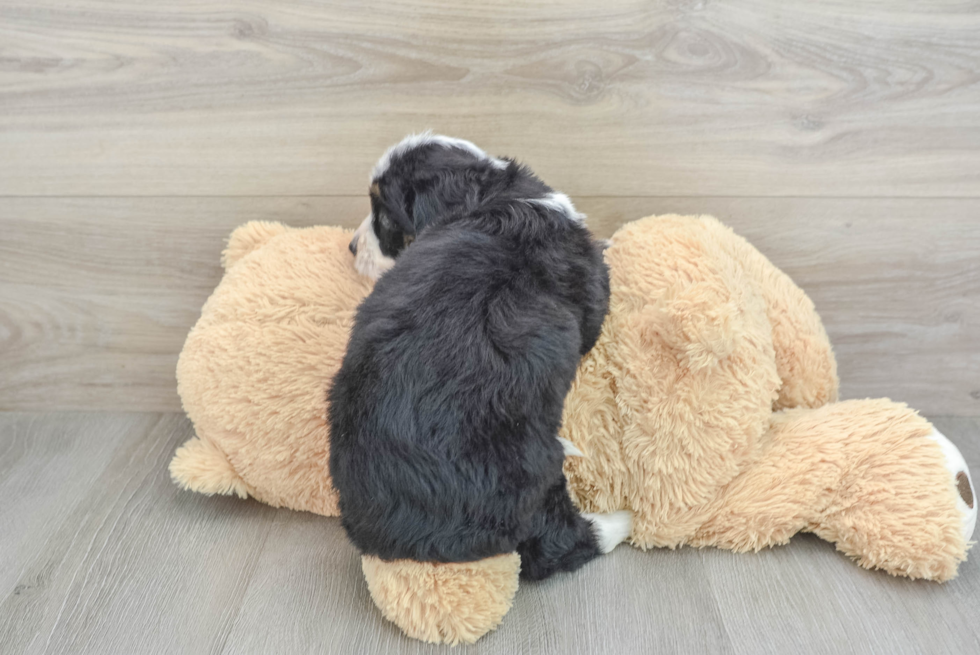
445	412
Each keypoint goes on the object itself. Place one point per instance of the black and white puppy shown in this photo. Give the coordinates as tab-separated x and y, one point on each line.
444	415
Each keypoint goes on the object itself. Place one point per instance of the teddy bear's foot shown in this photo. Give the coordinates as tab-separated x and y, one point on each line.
960	473
200	466
444	602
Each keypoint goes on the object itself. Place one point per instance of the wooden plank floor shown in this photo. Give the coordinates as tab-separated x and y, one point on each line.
101	553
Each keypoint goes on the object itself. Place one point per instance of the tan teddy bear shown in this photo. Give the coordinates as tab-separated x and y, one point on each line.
708	408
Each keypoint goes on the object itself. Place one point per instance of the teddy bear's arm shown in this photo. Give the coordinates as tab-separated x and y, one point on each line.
804	357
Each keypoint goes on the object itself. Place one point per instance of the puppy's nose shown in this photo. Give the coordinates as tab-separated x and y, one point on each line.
353	246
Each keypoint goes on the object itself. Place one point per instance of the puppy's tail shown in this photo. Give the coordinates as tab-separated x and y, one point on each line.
200	466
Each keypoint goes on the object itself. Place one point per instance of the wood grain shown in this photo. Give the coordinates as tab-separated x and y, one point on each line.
109	557
133	568
47	466
97	294
625	97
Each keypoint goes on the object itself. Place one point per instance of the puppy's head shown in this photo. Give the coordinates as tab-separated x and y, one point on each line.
416	181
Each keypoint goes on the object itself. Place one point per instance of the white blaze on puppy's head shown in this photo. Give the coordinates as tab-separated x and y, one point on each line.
561	203
425	138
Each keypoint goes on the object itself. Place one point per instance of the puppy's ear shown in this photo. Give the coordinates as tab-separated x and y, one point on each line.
426	206
399	208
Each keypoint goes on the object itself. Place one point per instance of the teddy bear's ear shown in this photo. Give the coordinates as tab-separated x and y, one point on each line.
701	322
249	237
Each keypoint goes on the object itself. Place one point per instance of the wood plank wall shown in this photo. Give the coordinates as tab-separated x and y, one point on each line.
842	138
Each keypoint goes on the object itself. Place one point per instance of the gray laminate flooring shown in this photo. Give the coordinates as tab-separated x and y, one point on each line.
101	553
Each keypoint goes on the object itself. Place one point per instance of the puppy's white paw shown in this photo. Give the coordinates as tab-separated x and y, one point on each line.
569	448
611	529
958	470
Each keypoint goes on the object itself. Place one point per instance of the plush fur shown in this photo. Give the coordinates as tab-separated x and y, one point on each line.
445	413
254	370
443	603
682	414
707	406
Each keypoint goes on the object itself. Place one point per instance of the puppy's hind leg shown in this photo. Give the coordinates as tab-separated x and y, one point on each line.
611	529
562	539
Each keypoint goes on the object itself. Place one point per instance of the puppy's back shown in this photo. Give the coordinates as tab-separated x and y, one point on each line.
445	410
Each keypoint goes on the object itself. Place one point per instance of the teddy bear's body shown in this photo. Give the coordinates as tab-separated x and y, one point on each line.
708	408
254	371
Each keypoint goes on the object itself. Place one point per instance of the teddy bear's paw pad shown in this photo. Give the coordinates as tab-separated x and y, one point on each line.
958	470
611	529
447	603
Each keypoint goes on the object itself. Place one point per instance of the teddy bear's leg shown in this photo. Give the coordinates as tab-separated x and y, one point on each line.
869	476
247	238
562	539
444	602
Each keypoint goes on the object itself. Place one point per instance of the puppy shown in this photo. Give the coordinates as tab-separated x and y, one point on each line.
444	415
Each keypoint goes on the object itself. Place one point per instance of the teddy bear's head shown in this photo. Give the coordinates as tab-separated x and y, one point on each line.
680	387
